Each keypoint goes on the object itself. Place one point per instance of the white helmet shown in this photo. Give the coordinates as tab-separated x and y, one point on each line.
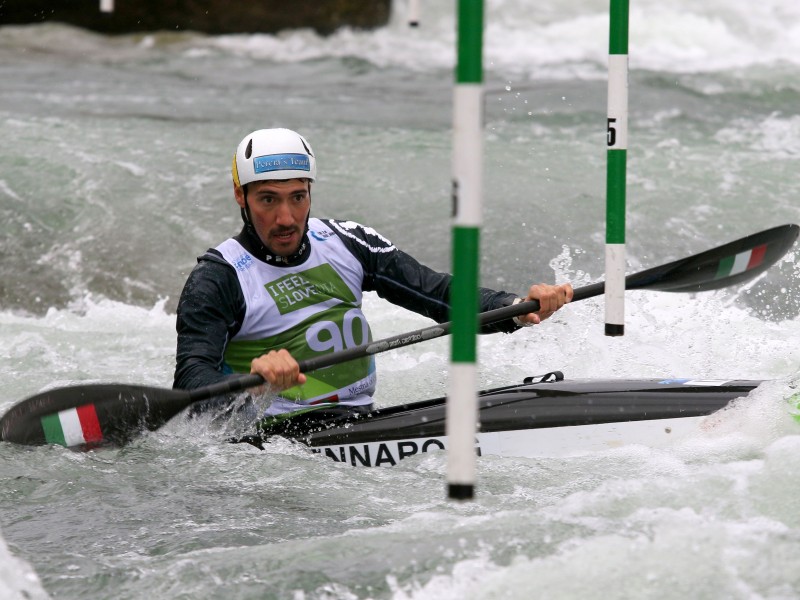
273	154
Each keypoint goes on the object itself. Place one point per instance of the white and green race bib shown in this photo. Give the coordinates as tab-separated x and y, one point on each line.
310	310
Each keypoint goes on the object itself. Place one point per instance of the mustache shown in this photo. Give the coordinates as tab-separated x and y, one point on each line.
285	229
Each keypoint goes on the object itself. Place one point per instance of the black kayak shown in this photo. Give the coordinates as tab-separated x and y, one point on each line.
543	416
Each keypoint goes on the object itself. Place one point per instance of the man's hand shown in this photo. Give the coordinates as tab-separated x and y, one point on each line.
279	369
550	297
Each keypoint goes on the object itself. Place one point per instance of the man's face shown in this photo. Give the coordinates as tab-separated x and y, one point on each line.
278	210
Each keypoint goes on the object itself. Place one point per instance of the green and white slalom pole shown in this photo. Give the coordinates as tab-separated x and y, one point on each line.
462	400
617	141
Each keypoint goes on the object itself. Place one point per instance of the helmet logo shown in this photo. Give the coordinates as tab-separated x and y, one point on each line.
249	150
281	162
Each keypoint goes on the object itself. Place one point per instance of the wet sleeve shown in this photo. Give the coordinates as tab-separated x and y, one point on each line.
401	279
210	312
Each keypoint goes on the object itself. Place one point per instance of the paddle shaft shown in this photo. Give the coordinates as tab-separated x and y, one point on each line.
242	382
699	272
433	332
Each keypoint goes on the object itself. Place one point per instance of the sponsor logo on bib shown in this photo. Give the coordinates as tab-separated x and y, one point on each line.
300	290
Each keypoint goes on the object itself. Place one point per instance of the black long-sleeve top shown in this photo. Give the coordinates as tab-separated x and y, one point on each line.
212	307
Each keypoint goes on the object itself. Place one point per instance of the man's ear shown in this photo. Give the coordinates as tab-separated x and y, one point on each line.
238	193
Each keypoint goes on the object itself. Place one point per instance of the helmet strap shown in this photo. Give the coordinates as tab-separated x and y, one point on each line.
245	210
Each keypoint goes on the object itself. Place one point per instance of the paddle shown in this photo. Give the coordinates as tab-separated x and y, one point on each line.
111	414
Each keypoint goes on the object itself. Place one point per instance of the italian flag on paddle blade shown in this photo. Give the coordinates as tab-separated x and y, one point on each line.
744	261
73	427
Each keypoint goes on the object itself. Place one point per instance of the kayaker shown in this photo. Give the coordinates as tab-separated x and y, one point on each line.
289	287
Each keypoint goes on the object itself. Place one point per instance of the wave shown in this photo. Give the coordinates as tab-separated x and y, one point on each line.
559	39
18	580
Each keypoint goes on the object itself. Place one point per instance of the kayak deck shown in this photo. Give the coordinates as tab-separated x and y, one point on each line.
542	417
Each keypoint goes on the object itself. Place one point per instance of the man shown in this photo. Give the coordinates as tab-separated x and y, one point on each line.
289	287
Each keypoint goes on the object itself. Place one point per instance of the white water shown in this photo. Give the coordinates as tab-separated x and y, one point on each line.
113	177
553	38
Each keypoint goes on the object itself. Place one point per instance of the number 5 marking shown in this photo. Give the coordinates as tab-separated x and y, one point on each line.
611	134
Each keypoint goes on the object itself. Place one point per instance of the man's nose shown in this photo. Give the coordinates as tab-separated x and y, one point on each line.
283	214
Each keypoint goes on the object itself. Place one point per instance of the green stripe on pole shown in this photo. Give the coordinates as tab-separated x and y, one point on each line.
470	42
618	30
464	294
615	196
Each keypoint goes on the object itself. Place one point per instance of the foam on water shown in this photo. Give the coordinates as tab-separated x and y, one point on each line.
558	39
93	340
561	39
775	134
696	516
715	517
18	580
138	131
658	527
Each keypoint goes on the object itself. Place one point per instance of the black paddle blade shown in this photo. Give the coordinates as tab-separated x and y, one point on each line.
736	262
726	265
90	416
104	414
